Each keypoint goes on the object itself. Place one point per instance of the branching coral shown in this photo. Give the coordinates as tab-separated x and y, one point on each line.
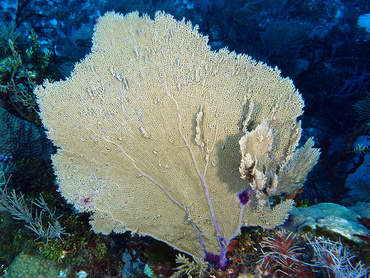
197	267
17	207
362	108
281	256
335	257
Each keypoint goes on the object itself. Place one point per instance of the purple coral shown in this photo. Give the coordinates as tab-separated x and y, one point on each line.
244	197
219	261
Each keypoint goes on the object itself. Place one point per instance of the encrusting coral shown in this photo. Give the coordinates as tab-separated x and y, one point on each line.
150	127
20	138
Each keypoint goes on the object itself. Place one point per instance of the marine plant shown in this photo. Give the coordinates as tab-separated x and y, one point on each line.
19	75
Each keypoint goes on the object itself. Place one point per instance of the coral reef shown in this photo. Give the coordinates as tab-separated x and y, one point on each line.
323	46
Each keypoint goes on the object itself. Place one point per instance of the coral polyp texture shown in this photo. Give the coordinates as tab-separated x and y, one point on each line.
158	134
